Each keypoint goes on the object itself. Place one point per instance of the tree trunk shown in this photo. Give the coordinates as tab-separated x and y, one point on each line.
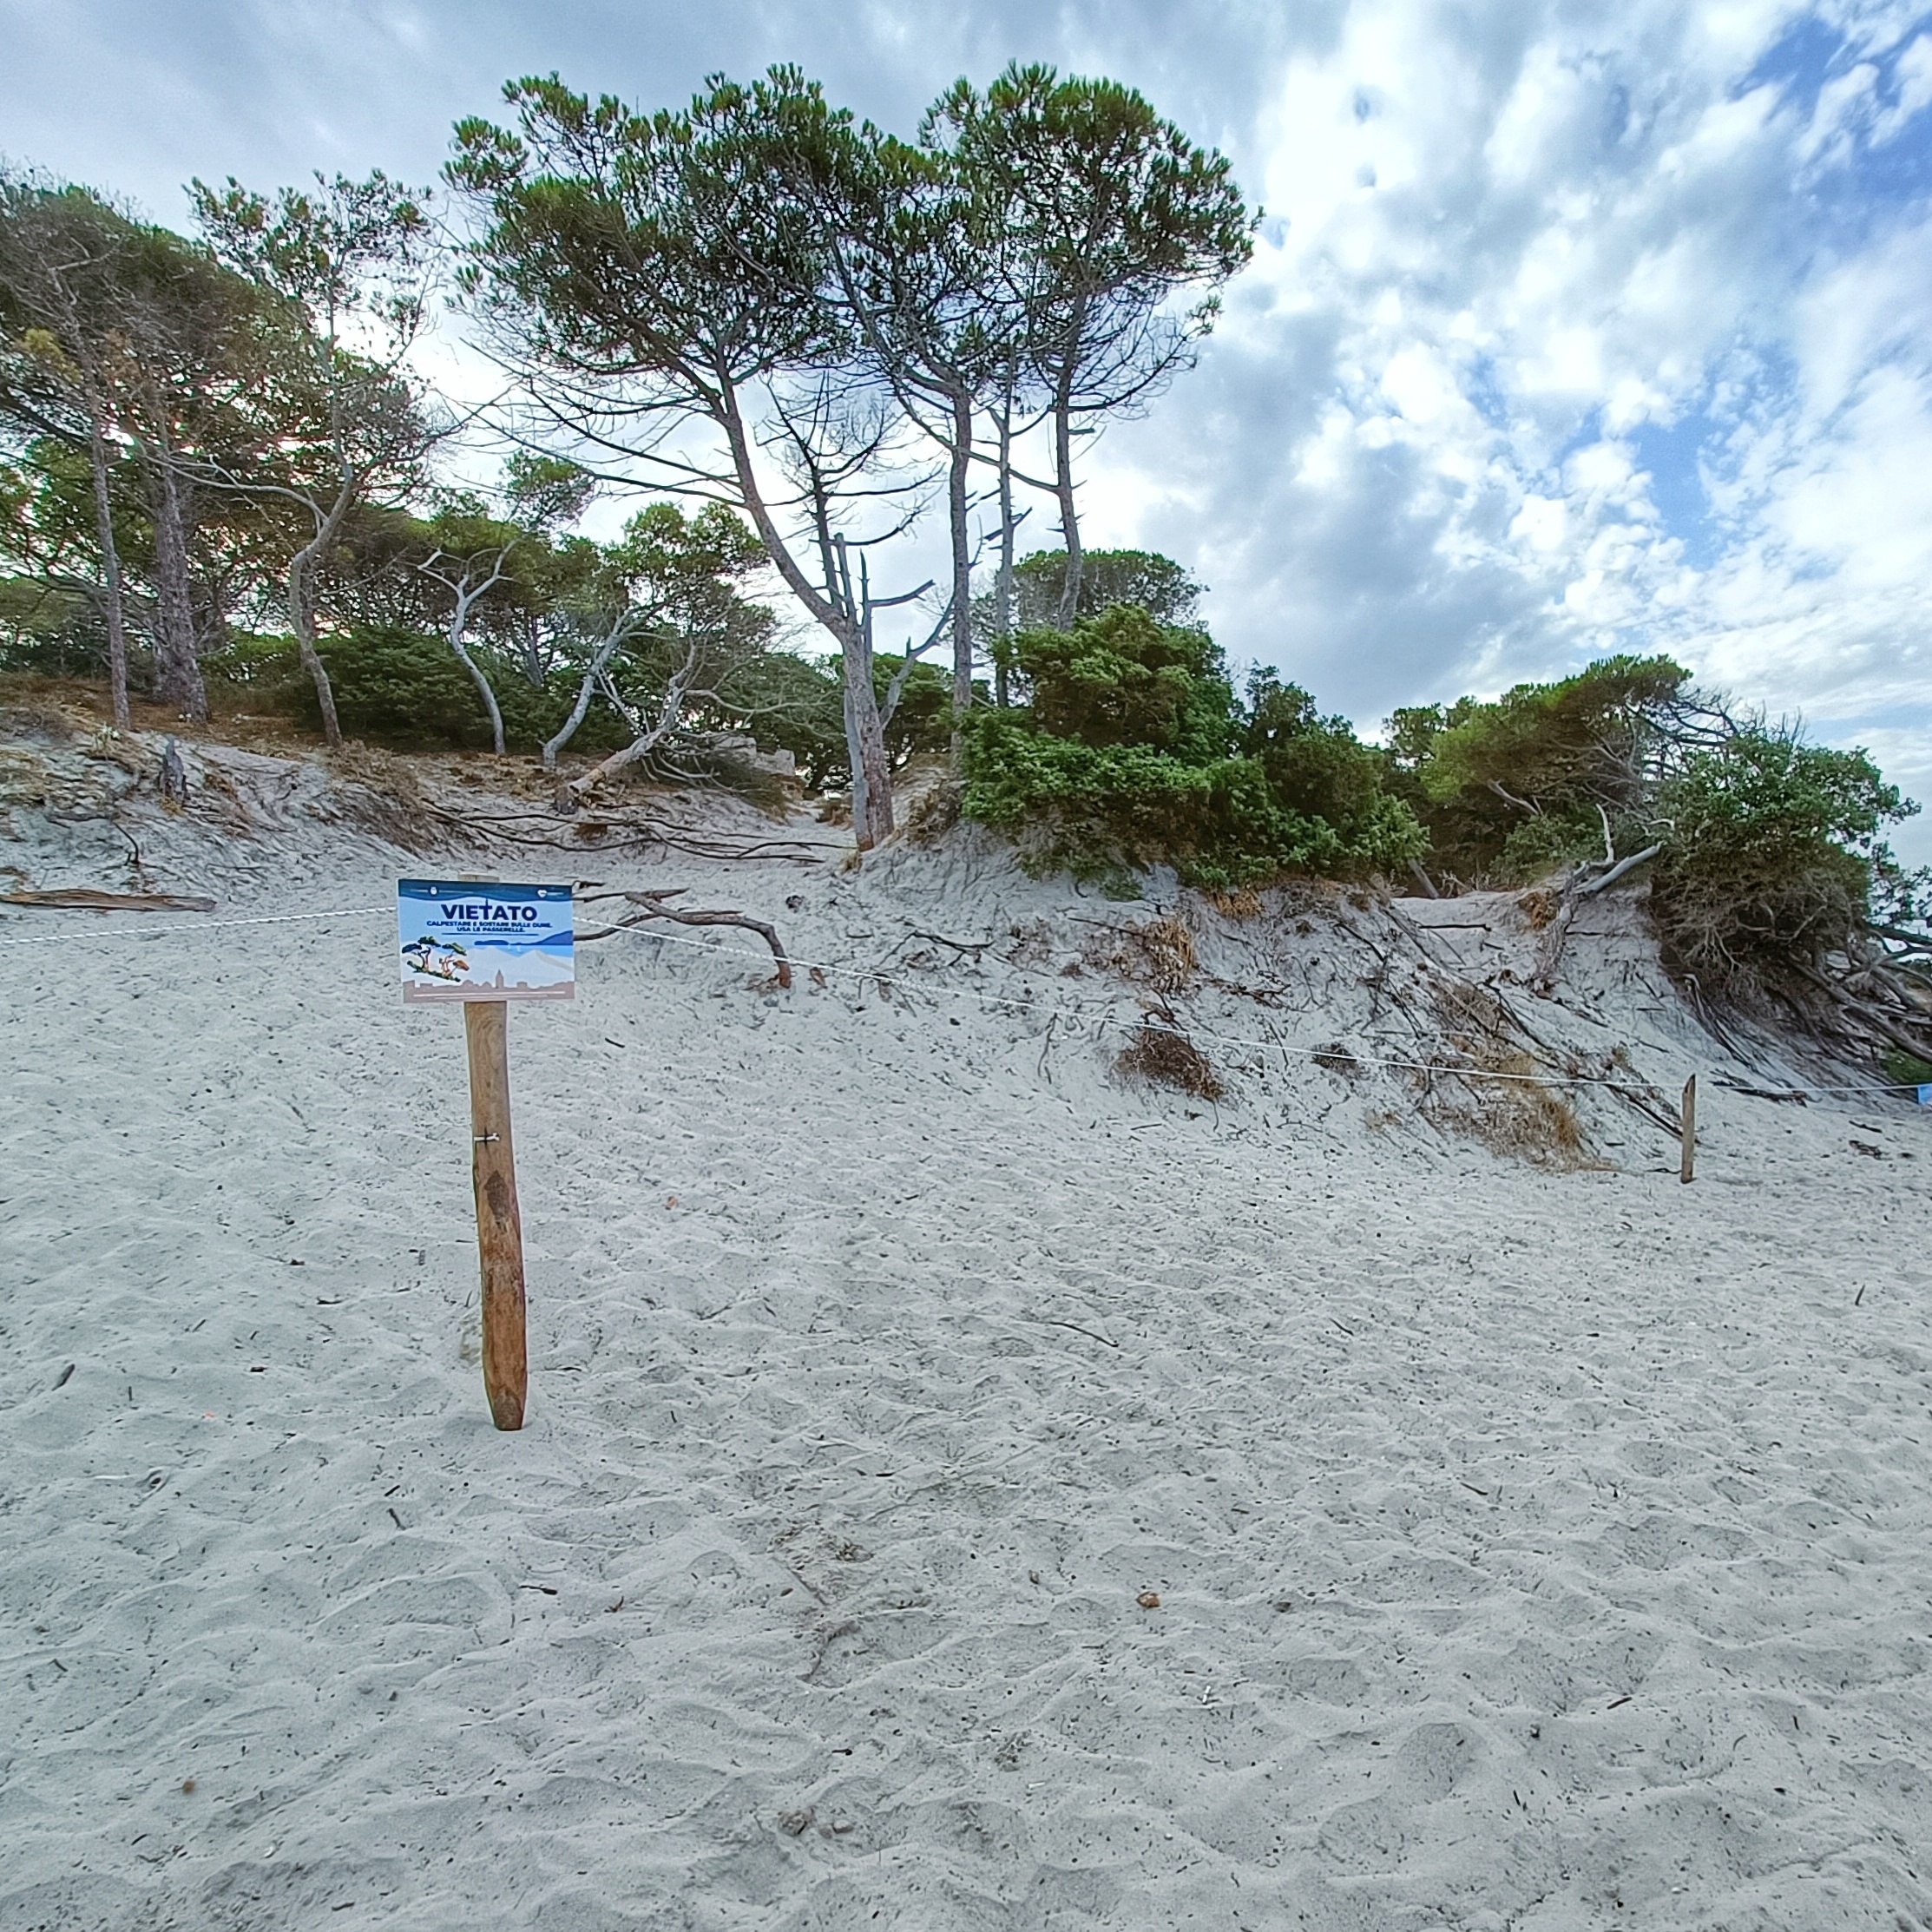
962	558
600	659
301	603
1002	584
618	761
301	618
865	735
110	576
865	743
483	691
643	742
177	673
641	746
1063	490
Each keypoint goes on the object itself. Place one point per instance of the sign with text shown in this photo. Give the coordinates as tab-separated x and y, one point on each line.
463	939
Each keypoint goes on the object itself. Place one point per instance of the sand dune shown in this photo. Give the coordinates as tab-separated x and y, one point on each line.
1539	1544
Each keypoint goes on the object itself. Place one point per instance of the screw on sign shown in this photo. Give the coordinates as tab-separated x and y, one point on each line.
482	943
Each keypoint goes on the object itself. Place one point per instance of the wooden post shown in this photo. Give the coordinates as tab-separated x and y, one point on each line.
499	1226
1689	1166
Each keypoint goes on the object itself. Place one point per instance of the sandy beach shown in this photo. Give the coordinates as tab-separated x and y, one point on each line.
1539	1544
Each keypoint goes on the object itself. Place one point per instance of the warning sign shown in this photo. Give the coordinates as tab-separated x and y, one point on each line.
463	939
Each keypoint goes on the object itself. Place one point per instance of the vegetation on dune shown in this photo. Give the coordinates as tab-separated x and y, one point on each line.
226	480
1132	749
1768	871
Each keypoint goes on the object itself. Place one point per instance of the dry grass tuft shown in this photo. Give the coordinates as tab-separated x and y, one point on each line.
1160	1051
1502	1102
24	779
1241	903
934	812
1337	1059
1159	954
33	720
1168	947
381	793
1519	1117
1540	906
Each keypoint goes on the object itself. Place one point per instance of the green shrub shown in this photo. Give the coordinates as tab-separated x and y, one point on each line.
1907	1070
922	720
1548	842
1134	752
251	660
1512	790
1771	855
405	688
795	705
1084	808
264	668
396	686
1120	679
1771	851
50	629
1320	774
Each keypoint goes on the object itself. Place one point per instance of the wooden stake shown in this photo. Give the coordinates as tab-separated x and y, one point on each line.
1688	1169
499	1226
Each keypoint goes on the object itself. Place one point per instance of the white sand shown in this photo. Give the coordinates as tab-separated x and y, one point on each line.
1535	1549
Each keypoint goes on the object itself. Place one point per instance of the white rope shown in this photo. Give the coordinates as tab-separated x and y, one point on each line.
1099	1018
1082	1014
199	925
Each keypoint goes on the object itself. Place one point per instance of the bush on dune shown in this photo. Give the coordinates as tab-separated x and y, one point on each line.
1134	752
1771	852
1766	853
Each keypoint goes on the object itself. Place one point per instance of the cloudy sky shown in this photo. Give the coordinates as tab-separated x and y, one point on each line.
1571	328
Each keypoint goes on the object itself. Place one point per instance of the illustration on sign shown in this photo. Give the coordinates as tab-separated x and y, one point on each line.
462	939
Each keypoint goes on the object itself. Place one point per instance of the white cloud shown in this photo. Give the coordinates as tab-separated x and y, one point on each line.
1584	229
1572	329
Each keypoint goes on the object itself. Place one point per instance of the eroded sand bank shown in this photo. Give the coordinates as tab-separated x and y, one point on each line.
1535	1547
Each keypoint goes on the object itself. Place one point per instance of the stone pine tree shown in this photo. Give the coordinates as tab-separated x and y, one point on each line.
667	287
60	251
187	357
1115	212
349	265
919	282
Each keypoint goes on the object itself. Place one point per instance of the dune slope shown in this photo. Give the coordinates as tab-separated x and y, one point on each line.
1537	1542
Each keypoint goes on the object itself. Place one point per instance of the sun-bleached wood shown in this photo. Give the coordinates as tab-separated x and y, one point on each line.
499	1224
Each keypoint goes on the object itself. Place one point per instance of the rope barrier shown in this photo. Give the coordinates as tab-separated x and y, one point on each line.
1033	1007
198	925
1089	1015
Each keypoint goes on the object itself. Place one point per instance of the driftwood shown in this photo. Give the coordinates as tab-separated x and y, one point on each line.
552	836
1865	1014
499	1221
1796	1095
962	948
1579	886
653	905
1918	941
172	777
1618	871
85	899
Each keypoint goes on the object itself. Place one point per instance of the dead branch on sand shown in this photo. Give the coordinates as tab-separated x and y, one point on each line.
85	899
653	904
553	834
